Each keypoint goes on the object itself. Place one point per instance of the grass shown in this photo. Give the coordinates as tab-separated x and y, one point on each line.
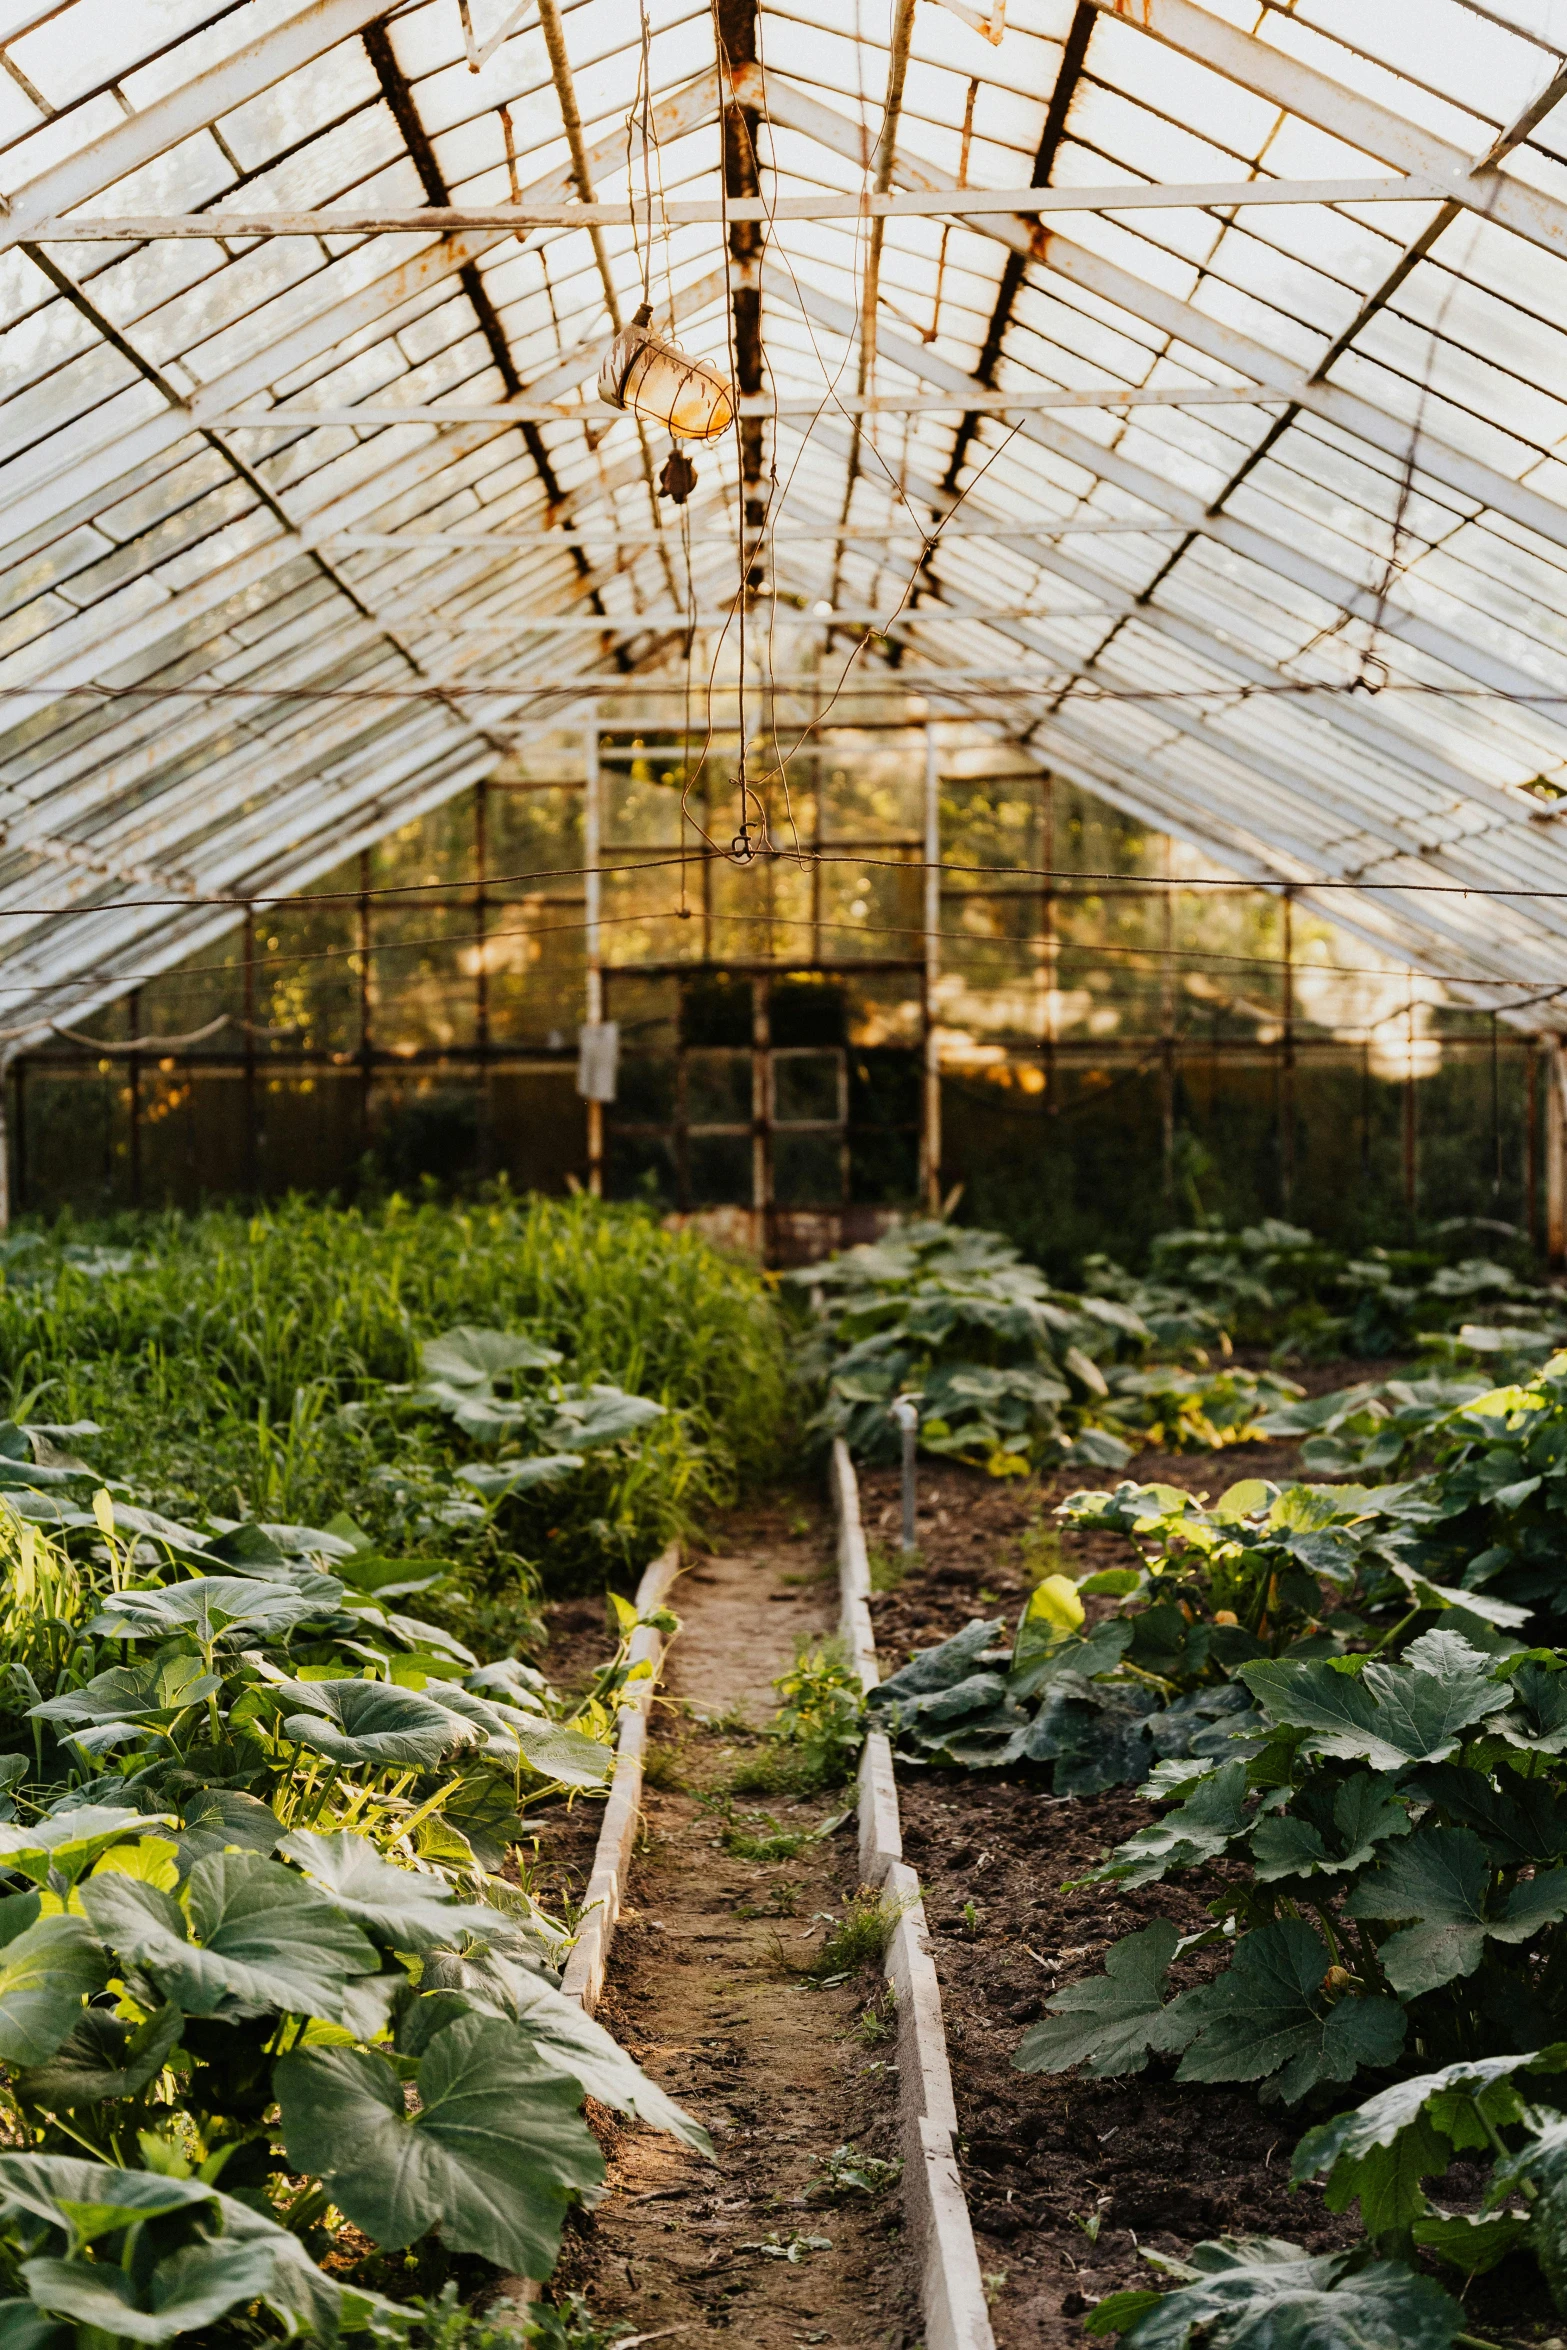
860	1937
765	1839
888	1567
1040	1548
815	1737
218	1351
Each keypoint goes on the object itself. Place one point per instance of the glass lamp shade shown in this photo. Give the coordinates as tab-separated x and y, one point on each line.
657	381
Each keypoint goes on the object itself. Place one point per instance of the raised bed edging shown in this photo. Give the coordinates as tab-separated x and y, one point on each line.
952	2292
588	1962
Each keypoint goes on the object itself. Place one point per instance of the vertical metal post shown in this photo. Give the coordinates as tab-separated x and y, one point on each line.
1047	937
248	936
19	1163
930	1123
1555	1169
5	1150
1287	1063
133	1077
906	1412
1411	1167
1496	1115
481	976
592	913
1167	1031
1531	1146
366	1000
761	1120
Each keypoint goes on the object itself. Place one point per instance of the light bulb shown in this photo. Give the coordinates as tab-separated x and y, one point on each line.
656	380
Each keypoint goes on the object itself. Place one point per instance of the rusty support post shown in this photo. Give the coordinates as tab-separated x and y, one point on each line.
133	1083
366	1001
593	939
1287	1063
249	1000
930	1137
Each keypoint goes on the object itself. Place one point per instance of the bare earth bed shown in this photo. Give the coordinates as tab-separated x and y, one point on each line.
708	1991
1066	2176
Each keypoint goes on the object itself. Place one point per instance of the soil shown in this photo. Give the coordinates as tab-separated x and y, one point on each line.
708	1989
1067	2177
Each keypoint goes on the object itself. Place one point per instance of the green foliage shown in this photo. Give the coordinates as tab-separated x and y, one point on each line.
1259	2293
860	1937
1435	1882
814	1739
1275	1284
243	1364
1006	1371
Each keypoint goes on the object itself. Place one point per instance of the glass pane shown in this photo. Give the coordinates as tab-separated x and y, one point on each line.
720	1167
807	1171
718	1089
805	1087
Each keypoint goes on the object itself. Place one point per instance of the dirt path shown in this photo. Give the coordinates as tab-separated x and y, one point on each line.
708	1990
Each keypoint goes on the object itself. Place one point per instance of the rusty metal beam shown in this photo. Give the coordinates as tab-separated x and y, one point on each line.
1073	57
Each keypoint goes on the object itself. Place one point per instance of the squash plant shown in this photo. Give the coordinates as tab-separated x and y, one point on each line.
1008	1372
261	1973
1401	1832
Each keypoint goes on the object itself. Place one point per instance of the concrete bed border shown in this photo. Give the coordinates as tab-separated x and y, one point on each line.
588	1961
952	2292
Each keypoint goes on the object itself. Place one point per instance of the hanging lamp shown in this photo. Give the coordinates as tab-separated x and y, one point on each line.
654	379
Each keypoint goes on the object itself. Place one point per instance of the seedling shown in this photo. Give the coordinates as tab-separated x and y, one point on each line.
848	2171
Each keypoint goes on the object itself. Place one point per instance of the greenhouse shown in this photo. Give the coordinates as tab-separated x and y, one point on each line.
783	1188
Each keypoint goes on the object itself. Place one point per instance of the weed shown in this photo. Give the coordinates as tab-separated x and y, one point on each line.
820	1719
971	1919
569	2324
879	2019
994	2282
888	1567
446	2325
785	1897
766	1839
791	2248
860	1937
664	1766
850	2172
1040	1548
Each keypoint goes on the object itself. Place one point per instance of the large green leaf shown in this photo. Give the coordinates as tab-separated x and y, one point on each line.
211	1605
1386	1715
370	1722
1195	1831
1366	1813
1114	2021
1267	2017
493	2156
86	2200
218	1817
46	1972
408	1911
1256	2293
565	1755
472	1357
1381	2151
153	1692
250	1937
102	2057
1442	1878
496	1479
558	2030
68	1841
192	2289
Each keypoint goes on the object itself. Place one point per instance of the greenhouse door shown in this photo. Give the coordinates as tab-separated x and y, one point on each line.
747	1094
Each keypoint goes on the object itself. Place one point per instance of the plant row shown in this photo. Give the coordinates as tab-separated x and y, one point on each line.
1347	1703
1005	1371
